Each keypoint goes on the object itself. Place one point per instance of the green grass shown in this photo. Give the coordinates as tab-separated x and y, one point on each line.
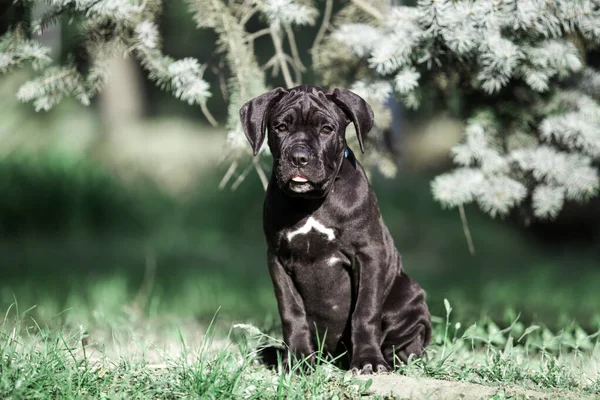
38	362
529	356
125	357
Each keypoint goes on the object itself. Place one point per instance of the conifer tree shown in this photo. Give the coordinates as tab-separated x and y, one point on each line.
531	102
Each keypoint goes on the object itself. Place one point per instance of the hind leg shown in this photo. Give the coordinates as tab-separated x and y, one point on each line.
406	327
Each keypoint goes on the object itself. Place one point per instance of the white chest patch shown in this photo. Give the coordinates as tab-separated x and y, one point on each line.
333	261
311	224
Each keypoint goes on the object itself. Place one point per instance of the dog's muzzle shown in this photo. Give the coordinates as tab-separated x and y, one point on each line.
299	157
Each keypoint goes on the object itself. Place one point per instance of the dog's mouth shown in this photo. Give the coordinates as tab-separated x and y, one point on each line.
299	179
300	184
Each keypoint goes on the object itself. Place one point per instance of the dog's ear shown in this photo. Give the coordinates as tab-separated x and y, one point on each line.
254	115
356	109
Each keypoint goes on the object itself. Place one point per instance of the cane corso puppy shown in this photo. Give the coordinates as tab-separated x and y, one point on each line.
337	275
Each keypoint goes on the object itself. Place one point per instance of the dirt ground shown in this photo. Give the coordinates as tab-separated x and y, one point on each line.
403	387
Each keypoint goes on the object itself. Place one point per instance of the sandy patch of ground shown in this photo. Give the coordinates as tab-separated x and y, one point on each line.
404	387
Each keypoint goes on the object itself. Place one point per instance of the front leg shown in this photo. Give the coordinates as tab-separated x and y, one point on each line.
374	276
296	332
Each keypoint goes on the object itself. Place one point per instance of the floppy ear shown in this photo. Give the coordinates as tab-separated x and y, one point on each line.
356	109
254	115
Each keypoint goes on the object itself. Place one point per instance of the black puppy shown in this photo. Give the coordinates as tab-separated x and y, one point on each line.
332	260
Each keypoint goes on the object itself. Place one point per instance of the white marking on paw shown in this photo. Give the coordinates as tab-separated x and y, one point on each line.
311	224
333	260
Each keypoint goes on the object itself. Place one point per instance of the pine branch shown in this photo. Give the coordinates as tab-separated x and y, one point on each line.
324	24
369	9
280	56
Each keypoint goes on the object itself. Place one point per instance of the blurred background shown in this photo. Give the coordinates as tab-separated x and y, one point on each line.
116	209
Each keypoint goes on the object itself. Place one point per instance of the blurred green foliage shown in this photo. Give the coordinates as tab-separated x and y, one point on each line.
54	193
86	242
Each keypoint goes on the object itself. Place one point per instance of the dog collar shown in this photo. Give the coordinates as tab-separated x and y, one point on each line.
350	156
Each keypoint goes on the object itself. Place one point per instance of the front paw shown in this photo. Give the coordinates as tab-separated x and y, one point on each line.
368	364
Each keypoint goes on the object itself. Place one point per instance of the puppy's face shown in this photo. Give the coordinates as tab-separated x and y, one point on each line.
306	128
307	140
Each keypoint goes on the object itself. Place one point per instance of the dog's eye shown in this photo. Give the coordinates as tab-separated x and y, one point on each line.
281	128
326	129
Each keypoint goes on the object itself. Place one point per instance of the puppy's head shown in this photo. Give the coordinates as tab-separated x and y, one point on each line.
306	134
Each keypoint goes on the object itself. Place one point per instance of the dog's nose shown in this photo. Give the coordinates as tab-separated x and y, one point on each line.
299	156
